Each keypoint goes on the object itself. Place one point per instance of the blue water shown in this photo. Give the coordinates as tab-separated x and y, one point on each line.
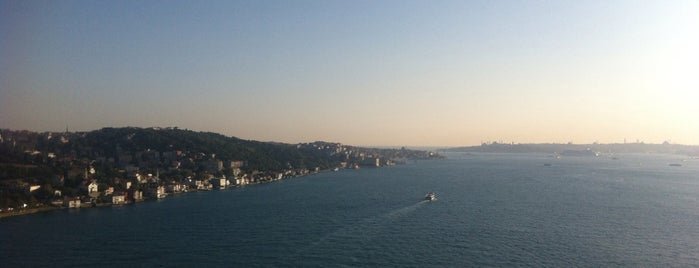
492	210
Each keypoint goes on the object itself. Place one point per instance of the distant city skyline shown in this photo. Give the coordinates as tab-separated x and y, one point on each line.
367	73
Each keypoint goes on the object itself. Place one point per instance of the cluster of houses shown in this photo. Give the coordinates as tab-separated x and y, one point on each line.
137	185
76	176
153	187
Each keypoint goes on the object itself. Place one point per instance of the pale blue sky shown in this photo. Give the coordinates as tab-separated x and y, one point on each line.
418	73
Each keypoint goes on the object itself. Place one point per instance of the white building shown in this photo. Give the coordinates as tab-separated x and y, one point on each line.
118	199
92	189
72	203
137	195
160	192
34	188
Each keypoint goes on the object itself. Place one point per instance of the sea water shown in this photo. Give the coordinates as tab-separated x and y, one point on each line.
491	210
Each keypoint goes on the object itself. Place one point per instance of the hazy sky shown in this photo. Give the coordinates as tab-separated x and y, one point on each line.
416	73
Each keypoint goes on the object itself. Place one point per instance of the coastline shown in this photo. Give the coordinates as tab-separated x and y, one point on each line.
23	212
44	208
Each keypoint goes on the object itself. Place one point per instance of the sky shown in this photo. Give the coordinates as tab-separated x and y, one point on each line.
380	73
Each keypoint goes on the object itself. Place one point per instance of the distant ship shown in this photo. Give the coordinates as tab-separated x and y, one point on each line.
430	196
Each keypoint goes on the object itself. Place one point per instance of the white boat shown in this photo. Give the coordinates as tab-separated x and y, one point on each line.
430	196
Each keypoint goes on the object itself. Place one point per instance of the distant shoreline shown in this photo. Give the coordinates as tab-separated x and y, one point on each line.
581	149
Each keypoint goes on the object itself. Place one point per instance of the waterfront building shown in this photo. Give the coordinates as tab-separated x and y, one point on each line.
160	192
72	202
118	199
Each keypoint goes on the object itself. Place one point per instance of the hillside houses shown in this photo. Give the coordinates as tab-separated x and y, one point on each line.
128	165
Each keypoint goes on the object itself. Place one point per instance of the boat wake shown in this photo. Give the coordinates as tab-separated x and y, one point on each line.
404	211
351	237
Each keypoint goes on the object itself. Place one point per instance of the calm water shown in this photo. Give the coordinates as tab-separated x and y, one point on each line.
492	210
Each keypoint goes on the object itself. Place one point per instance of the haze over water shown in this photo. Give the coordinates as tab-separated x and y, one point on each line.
391	73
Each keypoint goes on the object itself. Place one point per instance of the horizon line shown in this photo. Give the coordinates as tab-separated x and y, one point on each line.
432	147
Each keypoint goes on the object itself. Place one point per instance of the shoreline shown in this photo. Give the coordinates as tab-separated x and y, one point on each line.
29	211
45	208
